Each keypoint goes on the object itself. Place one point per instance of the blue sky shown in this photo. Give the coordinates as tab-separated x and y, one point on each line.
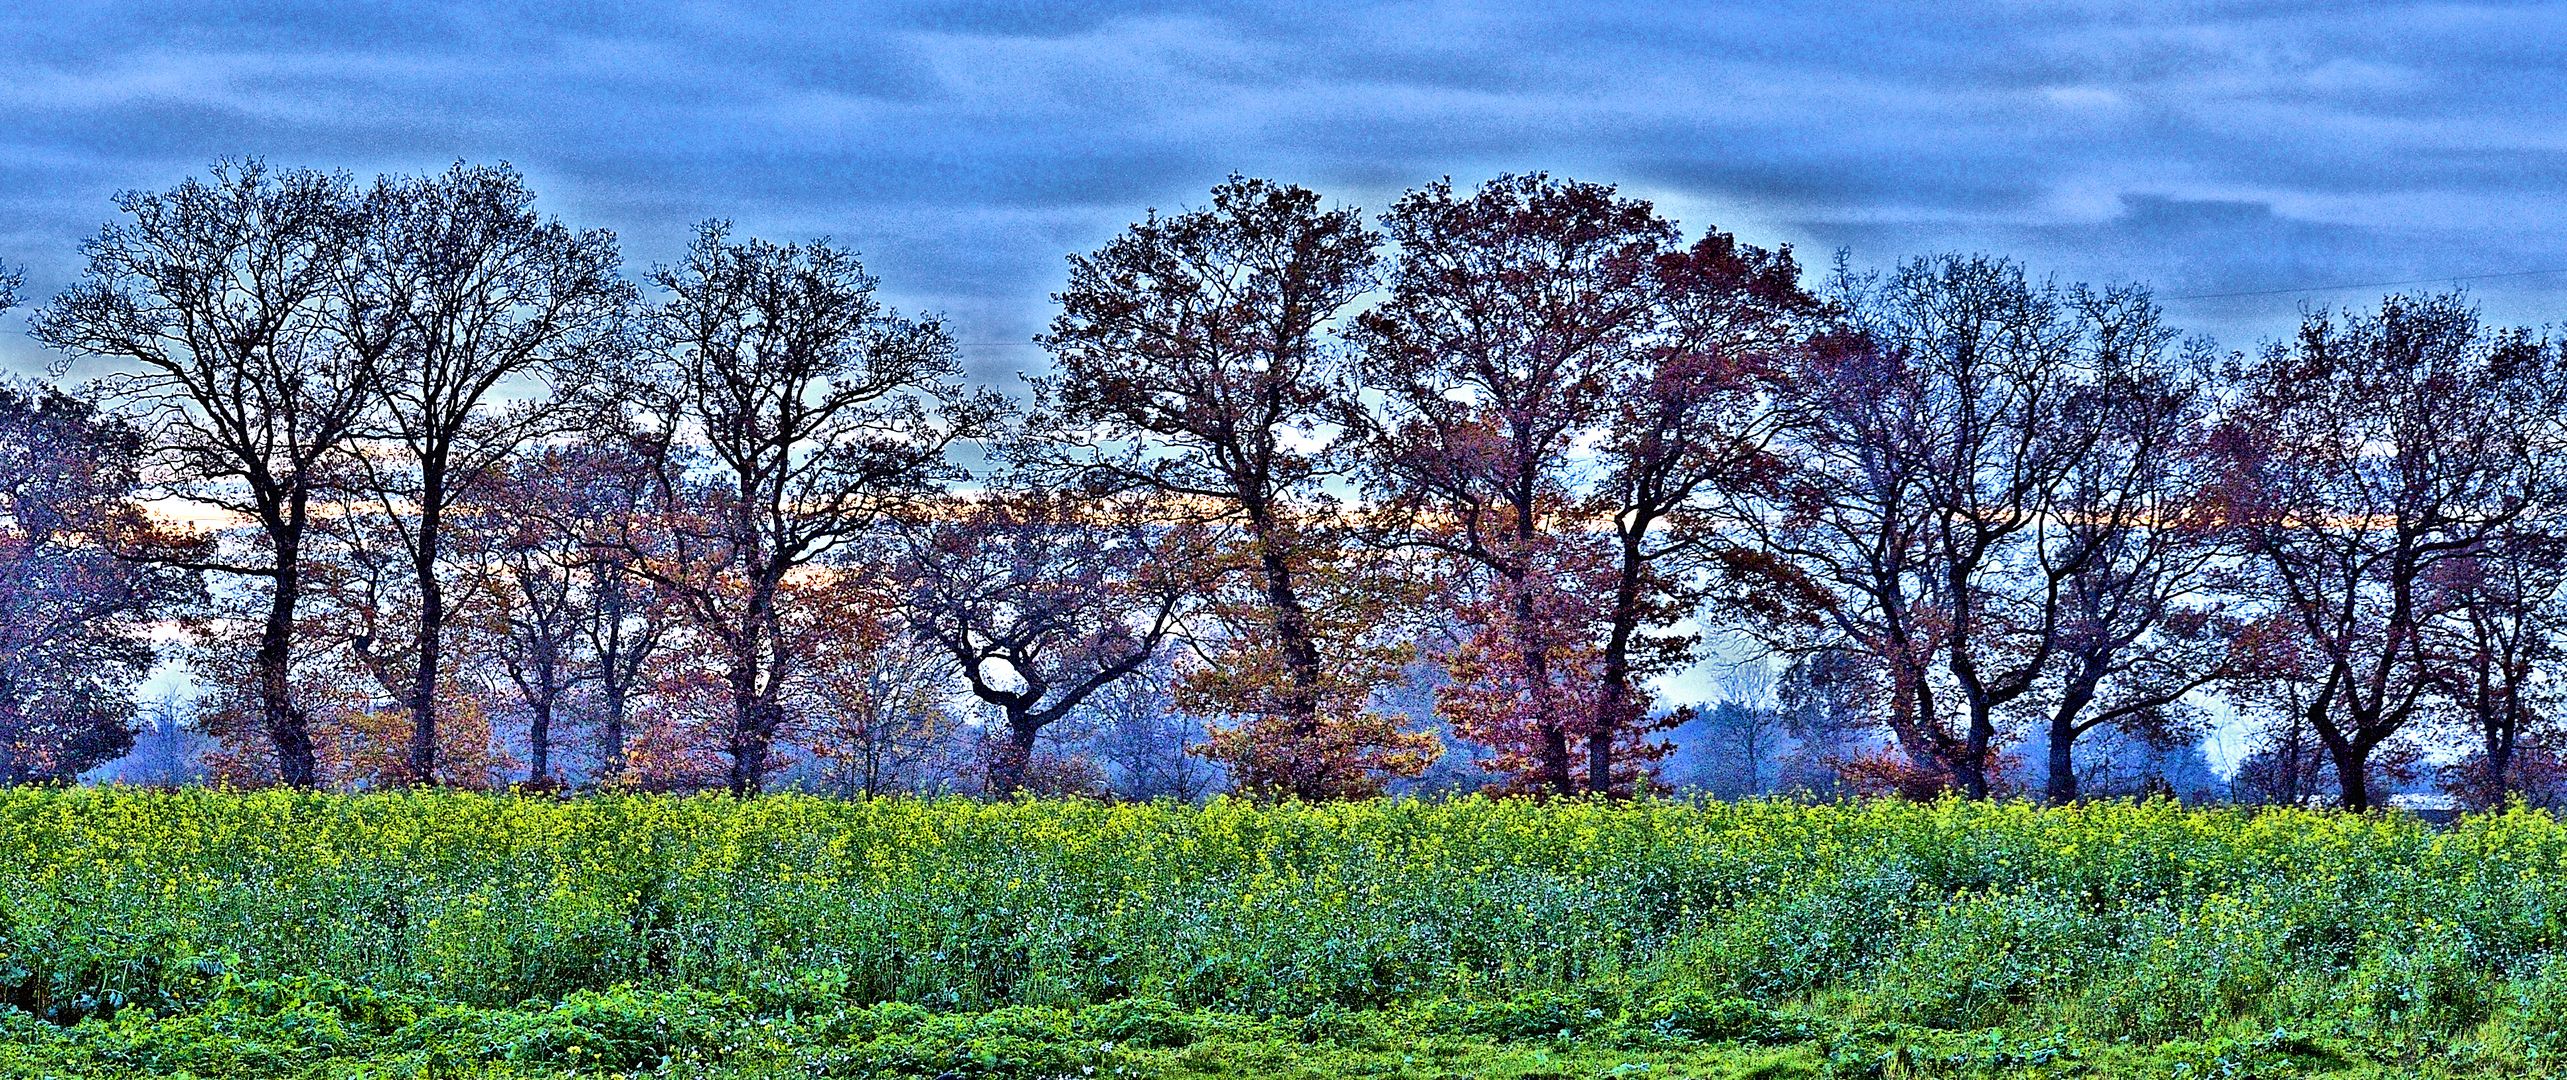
965	148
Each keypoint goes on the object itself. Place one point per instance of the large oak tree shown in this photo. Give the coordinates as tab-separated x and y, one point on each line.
797	410
487	319
2370	461
1564	404
1195	363
217	298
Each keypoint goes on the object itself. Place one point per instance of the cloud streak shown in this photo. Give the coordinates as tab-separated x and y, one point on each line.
2208	148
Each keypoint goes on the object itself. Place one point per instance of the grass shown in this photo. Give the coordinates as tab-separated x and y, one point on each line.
213	934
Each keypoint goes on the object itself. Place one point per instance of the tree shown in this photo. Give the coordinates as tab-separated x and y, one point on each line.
527	604
1829	700
2138	534
612	505
2132	762
1940	439
794	410
1511	311
553	616
218	293
1041	598
2493	646
167	751
79	589
1689	441
879	717
1194	363
593	510
2364	459
1735	748
1152	748
355	676
1568	404
465	292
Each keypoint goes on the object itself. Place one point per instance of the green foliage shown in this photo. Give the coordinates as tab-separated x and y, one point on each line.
1984	959
434	934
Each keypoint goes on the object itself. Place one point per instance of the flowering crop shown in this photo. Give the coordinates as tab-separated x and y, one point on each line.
2149	924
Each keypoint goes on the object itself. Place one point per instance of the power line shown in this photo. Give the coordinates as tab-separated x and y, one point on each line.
2185	296
2367	285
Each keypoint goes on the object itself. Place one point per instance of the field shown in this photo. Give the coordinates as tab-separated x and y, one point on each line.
208	934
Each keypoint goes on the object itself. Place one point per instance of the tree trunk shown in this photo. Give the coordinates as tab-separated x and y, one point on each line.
2352	773
1557	770
1751	739
539	742
748	761
429	627
1533	661
748	750
1613	698
430	638
15	768
753	719
1555	761
1918	734
1292	630
750	744
1972	770
614	730
296	765
1970	774
1303	674
612	663
2502	734
1015	756
2062	788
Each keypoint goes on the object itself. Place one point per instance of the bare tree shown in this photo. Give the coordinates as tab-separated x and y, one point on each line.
2137	631
166	752
1735	746
1152	747
2364	458
217	295
2495	644
467	294
796	410
1940	441
1041	598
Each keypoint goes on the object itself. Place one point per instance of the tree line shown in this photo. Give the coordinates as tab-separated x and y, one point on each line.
421	487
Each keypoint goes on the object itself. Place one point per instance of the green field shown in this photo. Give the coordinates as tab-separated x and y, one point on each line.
279	934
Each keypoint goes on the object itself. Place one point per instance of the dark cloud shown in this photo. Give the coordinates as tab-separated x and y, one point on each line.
2210	148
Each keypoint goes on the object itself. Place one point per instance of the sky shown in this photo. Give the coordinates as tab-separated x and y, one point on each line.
2243	158
2209	149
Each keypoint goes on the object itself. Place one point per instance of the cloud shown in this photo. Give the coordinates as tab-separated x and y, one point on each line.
2209	147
